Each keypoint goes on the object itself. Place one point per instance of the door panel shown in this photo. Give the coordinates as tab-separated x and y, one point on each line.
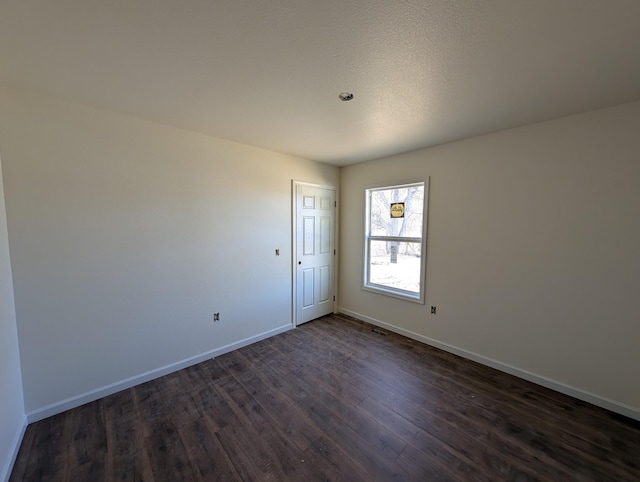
314	254
309	236
325	283
308	288
325	234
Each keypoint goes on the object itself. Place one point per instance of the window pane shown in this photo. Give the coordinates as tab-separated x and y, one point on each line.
396	265
408	203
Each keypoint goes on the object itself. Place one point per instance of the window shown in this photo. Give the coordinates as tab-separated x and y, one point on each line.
394	240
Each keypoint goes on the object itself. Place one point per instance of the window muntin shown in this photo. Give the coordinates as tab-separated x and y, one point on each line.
394	240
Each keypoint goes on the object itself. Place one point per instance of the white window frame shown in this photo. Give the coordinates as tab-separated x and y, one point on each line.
368	238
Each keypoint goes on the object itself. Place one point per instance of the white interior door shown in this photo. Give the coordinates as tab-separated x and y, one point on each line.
314	253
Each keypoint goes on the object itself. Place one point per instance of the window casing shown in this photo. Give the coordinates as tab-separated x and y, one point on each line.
395	235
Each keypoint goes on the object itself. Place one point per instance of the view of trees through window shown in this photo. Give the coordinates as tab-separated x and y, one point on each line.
394	238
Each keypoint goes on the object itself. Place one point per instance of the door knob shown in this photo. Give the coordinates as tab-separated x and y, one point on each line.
299	262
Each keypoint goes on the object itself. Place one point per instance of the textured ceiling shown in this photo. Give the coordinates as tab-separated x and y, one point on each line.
268	73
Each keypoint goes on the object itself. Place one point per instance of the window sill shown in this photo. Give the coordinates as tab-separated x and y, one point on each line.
402	295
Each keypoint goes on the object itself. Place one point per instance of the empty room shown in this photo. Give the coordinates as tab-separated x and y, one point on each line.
296	240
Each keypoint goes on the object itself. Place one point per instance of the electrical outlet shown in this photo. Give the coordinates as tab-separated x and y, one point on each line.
216	317
433	310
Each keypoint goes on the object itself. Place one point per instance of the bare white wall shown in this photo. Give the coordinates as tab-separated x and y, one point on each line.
12	417
127	235
533	250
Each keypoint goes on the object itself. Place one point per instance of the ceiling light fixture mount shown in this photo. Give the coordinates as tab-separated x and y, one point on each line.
345	96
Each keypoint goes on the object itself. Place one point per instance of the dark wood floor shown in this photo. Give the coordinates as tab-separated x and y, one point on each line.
333	400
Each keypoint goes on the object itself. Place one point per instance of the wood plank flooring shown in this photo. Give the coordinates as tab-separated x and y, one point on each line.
333	400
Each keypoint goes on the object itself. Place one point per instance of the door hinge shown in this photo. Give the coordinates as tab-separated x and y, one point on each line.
334	252
334	298
335	204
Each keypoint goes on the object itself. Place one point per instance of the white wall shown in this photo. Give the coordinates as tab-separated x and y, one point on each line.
533	251
127	235
12	418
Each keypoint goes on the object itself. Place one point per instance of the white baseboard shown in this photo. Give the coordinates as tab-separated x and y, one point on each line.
13	454
597	400
73	402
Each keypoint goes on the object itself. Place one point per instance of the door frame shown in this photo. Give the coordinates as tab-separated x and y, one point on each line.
294	245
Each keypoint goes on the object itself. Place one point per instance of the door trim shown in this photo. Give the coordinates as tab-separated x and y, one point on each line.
294	247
